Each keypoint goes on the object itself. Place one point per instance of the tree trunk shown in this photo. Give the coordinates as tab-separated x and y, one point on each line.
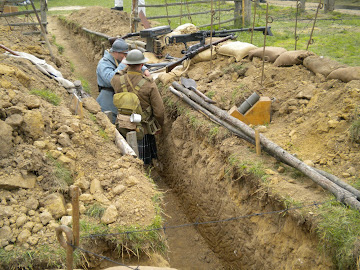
329	5
302	5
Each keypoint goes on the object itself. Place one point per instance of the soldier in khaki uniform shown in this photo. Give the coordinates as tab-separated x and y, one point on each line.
131	79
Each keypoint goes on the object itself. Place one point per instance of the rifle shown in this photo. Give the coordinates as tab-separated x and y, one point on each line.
191	54
151	35
202	35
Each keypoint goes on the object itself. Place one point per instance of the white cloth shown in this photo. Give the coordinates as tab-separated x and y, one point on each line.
119	3
141	2
45	68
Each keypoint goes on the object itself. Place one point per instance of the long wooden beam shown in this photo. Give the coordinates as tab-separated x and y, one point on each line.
19	13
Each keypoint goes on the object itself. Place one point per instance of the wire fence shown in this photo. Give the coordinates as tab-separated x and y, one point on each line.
180	226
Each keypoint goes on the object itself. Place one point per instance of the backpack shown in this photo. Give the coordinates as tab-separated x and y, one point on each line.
128	103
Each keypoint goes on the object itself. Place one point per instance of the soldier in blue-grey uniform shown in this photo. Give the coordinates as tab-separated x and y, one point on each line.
106	68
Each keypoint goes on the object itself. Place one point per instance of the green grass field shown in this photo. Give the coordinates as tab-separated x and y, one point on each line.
335	35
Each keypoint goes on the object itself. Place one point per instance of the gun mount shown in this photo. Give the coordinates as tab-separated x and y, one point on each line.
151	35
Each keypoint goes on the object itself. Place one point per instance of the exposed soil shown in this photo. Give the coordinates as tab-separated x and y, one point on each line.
197	165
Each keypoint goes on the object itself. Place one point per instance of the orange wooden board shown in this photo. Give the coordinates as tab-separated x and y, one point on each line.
259	114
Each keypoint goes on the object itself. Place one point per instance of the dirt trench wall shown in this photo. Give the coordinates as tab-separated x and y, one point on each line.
210	190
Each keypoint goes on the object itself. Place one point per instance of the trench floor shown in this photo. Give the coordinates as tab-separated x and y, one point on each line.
187	248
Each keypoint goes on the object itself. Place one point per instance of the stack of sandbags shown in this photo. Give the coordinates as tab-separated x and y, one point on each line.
346	74
270	54
321	65
237	49
291	58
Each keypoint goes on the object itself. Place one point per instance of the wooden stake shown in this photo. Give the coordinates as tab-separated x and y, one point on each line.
132	141
257	142
75	214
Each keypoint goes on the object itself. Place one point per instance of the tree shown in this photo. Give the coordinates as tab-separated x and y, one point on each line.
329	5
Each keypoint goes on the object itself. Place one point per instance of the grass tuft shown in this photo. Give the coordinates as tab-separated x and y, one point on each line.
339	231
47	95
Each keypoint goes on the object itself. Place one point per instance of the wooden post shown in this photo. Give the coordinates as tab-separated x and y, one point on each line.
132	141
43	8
237	23
135	16
43	31
76	105
75	214
257	142
243	12
64	243
247	12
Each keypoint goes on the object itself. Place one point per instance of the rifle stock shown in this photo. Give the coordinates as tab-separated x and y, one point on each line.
191	54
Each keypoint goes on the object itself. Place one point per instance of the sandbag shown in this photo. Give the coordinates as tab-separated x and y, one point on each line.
165	78
152	57
186	28
291	58
204	56
345	74
271	53
237	49
321	65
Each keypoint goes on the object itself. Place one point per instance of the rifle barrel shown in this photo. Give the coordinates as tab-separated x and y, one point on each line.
195	52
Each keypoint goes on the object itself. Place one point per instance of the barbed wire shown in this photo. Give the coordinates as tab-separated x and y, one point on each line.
164	228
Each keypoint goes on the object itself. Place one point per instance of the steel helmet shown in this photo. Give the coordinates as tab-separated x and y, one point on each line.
135	57
119	45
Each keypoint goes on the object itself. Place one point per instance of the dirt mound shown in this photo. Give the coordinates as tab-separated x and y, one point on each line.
45	148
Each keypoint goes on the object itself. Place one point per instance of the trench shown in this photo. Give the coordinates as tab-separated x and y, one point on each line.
187	248
201	187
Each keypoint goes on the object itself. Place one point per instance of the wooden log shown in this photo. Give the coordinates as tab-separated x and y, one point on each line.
96	33
341	194
123	145
210	115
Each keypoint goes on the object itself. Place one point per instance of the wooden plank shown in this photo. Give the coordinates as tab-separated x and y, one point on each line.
25	12
26	24
132	141
259	114
76	106
9	9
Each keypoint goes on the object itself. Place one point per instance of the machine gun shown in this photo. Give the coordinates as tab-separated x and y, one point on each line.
202	35
192	53
151	34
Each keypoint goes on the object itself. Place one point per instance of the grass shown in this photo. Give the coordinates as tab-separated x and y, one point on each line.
48	95
59	47
335	34
339	231
44	257
129	240
96	210
63	174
